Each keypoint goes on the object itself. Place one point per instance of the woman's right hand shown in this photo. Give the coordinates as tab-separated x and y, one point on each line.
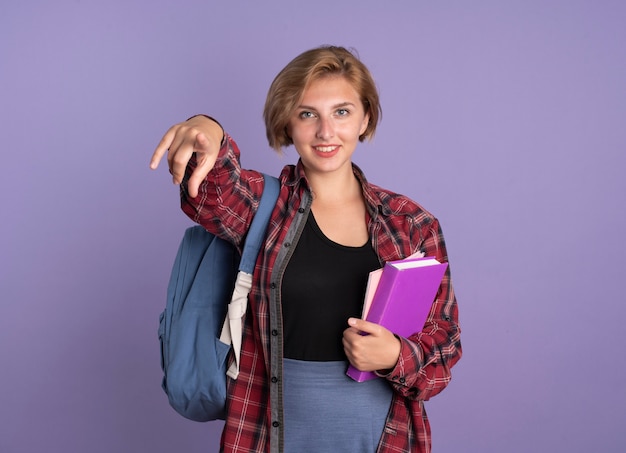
199	135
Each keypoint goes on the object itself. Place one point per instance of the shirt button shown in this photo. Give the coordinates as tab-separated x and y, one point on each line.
274	379
275	424
272	285
287	244
402	380
274	332
301	210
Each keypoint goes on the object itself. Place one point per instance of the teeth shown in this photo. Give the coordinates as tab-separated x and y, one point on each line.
325	149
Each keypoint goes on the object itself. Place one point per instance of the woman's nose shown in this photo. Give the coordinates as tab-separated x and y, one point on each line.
325	129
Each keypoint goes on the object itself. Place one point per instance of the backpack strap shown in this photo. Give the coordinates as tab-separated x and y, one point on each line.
256	233
233	324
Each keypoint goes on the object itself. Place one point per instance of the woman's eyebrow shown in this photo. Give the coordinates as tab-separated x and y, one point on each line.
336	106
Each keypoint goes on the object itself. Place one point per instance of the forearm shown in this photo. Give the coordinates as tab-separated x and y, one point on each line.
227	197
425	361
426	357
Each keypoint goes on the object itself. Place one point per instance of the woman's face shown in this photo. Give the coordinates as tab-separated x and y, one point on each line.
326	126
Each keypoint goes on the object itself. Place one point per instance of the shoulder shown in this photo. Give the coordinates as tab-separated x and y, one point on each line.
405	226
392	204
385	202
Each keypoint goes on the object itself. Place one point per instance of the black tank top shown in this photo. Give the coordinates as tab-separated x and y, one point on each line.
323	285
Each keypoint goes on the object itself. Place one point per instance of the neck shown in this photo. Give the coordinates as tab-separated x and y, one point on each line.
334	188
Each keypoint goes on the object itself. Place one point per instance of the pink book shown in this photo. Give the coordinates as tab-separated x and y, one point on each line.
399	297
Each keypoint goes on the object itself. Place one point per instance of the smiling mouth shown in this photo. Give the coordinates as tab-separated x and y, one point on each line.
326	149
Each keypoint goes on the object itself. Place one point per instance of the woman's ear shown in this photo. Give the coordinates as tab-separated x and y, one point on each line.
364	124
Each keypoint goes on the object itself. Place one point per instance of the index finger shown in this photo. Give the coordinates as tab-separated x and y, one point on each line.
162	148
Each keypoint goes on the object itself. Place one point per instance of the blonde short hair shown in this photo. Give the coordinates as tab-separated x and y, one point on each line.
287	89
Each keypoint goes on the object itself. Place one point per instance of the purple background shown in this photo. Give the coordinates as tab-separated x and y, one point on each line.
506	119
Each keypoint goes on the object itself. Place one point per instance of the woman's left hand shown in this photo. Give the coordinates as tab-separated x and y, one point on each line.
378	350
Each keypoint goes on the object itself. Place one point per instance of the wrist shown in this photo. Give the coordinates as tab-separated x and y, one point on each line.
394	355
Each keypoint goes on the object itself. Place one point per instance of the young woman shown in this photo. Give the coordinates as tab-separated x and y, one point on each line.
329	229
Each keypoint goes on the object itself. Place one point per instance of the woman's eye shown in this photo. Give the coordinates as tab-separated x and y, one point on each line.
342	112
306	115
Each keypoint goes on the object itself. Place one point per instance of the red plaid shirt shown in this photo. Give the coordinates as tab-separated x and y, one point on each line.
398	227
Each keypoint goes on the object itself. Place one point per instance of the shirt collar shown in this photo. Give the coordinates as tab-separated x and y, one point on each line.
374	204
